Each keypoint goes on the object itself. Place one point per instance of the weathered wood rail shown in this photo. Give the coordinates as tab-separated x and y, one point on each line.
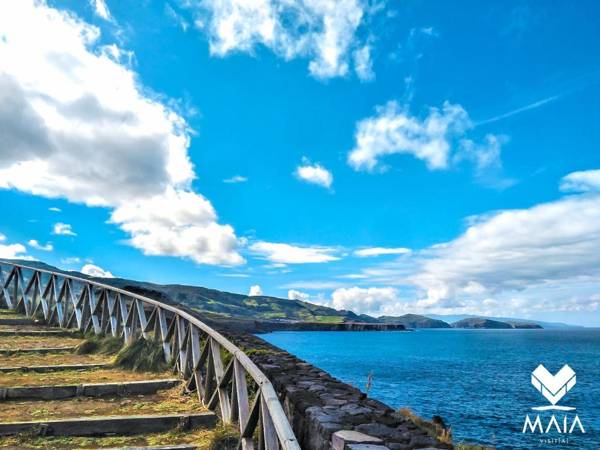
224	377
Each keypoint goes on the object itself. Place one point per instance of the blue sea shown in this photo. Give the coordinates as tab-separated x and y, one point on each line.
479	381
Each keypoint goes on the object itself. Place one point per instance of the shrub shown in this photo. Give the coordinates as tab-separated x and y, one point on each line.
224	438
142	356
106	345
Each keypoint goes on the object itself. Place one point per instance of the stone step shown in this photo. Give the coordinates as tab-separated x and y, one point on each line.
10	351
57	368
17	321
61	392
39	333
160	447
110	425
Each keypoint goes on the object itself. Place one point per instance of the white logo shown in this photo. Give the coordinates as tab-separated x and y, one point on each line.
553	387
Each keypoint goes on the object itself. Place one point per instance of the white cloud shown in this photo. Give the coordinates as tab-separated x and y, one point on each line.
63	229
314	174
178	223
54	209
45	248
255	291
313	284
394	131
582	181
297	295
521	255
77	124
12	251
324	31
101	9
486	159
235	179
95	271
439	139
373	300
70	260
176	17
377	251
363	64
293	254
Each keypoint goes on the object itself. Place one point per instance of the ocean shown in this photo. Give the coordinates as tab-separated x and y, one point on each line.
479	381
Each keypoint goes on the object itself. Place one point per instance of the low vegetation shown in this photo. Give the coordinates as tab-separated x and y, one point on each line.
25	359
201	438
434	428
75	377
437	428
166	401
28	342
142	356
225	438
104	345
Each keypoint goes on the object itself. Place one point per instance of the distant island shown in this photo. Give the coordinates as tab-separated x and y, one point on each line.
256	314
480	322
415	321
418	321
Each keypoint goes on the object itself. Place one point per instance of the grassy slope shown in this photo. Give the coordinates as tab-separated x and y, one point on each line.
227	304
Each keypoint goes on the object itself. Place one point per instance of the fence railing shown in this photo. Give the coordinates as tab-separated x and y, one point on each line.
221	374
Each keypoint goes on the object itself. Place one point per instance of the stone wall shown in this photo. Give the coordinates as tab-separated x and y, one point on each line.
319	405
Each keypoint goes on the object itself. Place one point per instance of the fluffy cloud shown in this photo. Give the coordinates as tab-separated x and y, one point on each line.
292	254
95	271
45	248
394	130
438	139
63	229
101	9
583	181
377	251
373	300
314	174
325	31
363	64
178	223
11	251
298	295
54	209
519	254
255	291
77	124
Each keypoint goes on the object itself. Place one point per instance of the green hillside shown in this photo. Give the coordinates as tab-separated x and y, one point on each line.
226	304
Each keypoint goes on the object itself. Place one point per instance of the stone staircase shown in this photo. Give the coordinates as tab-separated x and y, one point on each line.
53	398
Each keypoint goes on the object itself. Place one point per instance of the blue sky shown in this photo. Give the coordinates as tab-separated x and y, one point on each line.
387	157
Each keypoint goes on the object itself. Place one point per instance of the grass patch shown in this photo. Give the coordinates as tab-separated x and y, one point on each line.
225	437
75	377
166	401
433	428
23	359
472	447
437	429
105	345
201	438
142	356
28	342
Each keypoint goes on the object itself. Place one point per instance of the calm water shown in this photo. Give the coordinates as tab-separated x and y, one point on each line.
478	380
